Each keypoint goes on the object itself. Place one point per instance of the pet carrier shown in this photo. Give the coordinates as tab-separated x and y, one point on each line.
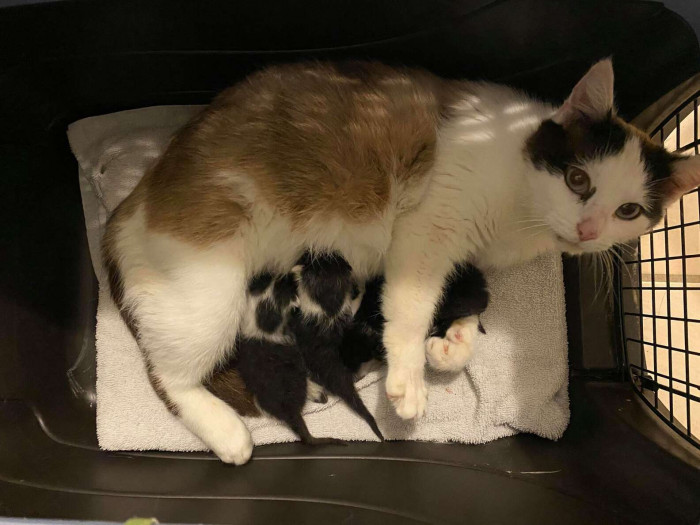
630	453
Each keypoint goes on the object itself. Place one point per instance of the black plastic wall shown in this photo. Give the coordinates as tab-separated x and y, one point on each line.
64	60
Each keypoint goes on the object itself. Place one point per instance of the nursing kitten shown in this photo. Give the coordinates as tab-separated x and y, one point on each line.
399	171
328	299
302	324
290	335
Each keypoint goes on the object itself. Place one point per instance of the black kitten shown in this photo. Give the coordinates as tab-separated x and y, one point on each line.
276	376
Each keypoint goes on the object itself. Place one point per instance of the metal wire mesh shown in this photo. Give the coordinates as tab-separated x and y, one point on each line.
659	288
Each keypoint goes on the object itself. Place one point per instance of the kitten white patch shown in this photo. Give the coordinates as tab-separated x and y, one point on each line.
249	326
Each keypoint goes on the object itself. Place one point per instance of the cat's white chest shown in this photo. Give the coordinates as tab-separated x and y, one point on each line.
515	248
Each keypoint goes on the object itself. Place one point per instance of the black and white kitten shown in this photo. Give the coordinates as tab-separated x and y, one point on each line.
289	347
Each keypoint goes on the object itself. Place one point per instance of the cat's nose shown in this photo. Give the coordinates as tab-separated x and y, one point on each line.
587	230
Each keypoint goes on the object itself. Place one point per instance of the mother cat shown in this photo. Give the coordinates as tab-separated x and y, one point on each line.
399	171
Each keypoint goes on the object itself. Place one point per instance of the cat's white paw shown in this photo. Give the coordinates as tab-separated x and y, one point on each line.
452	353
405	388
446	356
234	444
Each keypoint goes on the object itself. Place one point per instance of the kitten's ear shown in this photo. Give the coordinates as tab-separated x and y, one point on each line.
592	97
685	177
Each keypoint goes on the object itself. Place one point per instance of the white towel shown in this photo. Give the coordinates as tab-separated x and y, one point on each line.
515	382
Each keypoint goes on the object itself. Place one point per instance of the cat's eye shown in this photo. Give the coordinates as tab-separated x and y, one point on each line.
628	211
577	180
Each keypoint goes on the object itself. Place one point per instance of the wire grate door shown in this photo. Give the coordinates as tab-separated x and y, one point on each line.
660	289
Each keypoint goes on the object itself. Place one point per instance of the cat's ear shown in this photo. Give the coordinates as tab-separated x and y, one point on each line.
685	177
592	97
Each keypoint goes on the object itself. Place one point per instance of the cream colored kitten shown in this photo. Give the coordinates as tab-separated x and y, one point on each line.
400	171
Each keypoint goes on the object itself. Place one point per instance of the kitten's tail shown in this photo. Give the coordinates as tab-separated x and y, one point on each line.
298	425
348	394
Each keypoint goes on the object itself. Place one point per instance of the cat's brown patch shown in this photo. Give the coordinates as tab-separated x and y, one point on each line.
158	388
228	386
313	141
186	196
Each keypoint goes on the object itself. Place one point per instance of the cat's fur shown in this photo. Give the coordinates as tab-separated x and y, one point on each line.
399	171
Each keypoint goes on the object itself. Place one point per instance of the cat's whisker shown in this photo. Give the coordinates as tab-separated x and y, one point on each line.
603	280
533	224
611	277
597	273
531	227
532	235
601	277
591	263
610	274
615	253
534	219
622	264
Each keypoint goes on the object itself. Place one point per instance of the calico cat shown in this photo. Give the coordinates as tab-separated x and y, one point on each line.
401	172
290	339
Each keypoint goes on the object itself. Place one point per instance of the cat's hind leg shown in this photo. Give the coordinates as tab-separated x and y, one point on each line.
186	305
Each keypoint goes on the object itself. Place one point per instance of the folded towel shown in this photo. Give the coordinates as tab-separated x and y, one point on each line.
515	382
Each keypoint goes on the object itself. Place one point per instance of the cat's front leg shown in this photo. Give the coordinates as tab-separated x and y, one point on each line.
416	268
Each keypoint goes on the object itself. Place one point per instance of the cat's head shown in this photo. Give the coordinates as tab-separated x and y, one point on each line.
598	180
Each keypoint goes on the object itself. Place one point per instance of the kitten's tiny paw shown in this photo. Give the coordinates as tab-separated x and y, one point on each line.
237	448
405	388
316	393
